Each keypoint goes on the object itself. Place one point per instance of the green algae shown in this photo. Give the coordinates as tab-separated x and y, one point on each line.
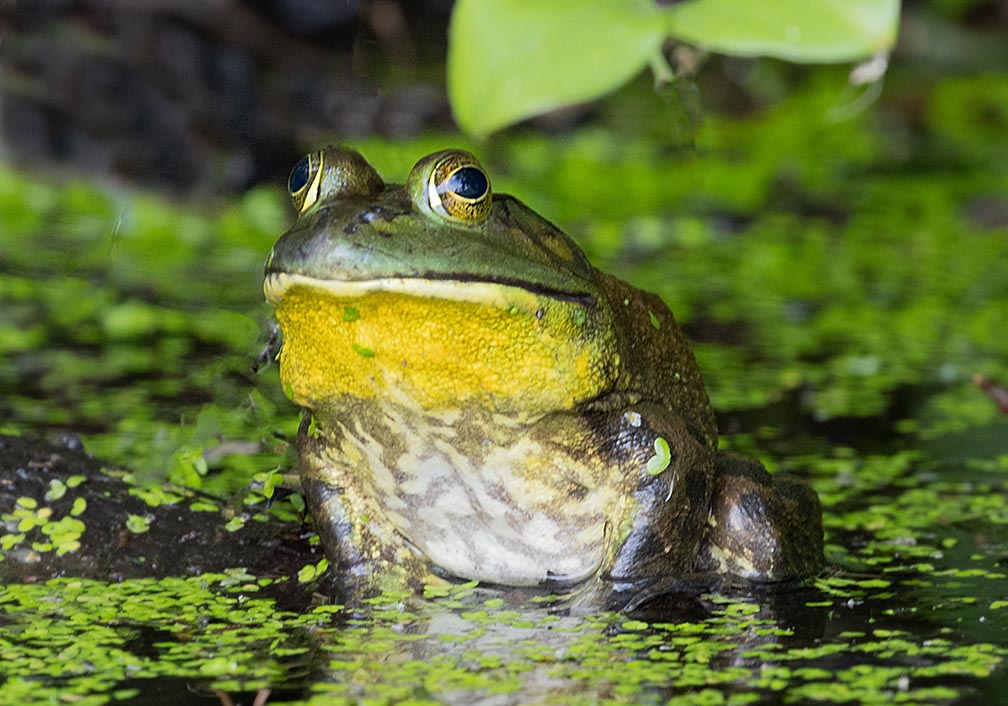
77	636
739	655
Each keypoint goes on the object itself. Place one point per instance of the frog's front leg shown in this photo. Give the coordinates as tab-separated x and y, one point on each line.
367	555
762	527
668	471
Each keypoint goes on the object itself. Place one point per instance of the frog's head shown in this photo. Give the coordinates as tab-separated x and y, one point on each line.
438	290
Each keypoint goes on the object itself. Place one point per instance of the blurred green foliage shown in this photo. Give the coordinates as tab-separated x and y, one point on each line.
512	59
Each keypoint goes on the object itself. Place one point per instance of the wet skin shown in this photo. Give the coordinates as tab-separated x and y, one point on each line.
482	403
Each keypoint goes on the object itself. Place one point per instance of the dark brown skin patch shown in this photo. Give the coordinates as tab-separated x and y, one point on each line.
657	364
776	527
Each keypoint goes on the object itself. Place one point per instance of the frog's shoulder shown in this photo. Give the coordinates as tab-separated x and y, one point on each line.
657	362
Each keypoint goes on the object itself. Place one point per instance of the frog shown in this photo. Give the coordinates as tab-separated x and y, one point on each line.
482	404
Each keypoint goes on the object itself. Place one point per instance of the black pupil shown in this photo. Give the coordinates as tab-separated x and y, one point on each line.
299	176
468	182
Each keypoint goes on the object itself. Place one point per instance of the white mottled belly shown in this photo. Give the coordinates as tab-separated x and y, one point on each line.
511	513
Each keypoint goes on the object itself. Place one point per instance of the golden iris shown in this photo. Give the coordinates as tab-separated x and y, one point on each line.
459	188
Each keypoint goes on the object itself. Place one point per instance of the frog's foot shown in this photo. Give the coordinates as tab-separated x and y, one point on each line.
762	527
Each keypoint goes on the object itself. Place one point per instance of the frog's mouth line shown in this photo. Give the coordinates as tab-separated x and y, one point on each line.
487	292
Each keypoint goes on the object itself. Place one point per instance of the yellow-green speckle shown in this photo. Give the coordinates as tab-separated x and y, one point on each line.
661	459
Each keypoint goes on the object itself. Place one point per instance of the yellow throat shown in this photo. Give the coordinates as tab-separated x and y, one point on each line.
444	344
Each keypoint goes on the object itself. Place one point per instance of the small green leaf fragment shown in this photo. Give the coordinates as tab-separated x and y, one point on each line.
739	609
74	481
67	547
236	576
362	350
137	524
654	319
235	524
218	666
27	503
202	506
155	495
350	313
438	590
269	480
64	528
309	572
188	467
57	489
79	506
8	541
662	458
634	625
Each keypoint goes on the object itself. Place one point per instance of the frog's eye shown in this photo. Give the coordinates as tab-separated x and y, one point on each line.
336	172
305	178
459	189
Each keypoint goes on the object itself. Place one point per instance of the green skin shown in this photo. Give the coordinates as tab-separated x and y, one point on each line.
576	495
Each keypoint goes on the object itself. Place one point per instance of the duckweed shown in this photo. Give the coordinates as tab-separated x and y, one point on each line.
661	459
137	524
363	351
309	572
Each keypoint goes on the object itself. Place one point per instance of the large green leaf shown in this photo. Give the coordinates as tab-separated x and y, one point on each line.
796	30
512	59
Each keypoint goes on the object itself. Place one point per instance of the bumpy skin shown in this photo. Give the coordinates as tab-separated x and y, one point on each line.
484	404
